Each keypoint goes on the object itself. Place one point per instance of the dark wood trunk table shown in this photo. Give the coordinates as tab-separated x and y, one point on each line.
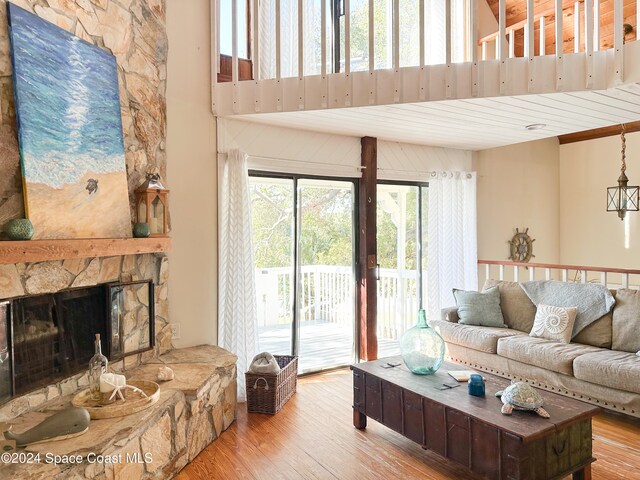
471	430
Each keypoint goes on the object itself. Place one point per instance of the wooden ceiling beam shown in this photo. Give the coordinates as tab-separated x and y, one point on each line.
598	133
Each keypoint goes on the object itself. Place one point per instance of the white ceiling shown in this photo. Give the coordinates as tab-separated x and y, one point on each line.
473	124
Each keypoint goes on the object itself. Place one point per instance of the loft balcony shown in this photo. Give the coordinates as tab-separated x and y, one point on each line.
314	63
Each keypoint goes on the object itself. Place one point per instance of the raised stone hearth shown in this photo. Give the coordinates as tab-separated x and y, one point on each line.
193	410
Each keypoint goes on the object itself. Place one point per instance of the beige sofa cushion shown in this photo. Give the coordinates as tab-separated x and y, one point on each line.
620	370
601	395
484	339
598	334
626	321
555	356
517	309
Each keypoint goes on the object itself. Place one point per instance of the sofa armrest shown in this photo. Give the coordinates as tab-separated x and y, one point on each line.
450	314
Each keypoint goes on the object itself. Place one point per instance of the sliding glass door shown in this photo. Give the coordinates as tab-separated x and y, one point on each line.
401	239
304	246
272	205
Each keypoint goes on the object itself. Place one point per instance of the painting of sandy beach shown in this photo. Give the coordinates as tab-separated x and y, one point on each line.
69	131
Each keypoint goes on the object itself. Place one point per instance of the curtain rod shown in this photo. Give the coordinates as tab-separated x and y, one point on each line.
262	157
433	173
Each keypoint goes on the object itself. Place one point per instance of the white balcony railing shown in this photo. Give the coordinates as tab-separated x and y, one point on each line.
327	296
613	278
377	72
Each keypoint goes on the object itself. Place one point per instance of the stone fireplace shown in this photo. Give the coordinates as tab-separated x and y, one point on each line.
193	409
200	403
49	337
41	289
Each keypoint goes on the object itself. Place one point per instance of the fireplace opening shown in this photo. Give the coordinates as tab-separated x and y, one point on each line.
46	338
6	383
52	335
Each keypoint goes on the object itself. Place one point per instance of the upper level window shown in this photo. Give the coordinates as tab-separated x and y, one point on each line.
409	35
226	42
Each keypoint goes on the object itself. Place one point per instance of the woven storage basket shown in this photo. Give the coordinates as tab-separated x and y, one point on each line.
267	393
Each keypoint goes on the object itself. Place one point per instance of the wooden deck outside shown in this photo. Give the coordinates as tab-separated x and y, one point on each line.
313	438
322	345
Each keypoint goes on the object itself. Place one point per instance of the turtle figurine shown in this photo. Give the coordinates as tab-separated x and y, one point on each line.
521	396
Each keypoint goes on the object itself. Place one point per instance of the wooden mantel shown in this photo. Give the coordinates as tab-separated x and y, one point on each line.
43	250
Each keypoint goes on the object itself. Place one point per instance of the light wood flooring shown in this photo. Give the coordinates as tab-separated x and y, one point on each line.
313	437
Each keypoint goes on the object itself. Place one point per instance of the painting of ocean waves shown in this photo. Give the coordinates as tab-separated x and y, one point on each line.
69	131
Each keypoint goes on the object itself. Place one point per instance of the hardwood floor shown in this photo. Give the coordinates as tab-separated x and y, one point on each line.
313	437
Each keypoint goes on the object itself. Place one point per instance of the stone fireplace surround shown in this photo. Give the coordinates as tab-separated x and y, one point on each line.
193	410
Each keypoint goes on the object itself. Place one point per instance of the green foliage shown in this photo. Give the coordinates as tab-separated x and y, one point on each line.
326	225
388	232
326	236
272	218
409	33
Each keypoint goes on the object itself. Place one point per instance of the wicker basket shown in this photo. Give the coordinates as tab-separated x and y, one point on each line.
267	393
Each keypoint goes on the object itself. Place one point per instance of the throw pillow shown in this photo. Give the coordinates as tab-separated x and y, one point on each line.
554	323
517	308
626	321
479	308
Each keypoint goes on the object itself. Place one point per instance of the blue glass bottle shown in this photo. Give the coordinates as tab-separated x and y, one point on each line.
422	347
476	385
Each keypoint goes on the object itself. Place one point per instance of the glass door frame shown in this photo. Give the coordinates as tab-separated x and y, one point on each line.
297	267
419	214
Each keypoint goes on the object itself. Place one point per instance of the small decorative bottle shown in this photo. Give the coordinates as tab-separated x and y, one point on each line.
475	385
97	366
422	347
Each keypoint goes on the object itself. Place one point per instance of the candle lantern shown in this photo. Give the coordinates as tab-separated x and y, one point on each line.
152	205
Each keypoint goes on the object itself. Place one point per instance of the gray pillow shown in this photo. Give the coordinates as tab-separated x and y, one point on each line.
475	308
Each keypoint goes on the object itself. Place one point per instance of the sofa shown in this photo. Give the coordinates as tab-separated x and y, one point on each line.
598	366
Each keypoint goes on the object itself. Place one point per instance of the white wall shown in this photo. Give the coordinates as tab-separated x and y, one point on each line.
191	153
518	187
408	162
280	149
589	235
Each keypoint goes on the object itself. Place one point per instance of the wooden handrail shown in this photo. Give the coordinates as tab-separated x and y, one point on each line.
560	267
550	12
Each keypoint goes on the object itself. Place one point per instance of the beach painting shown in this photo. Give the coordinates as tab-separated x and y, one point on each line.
69	132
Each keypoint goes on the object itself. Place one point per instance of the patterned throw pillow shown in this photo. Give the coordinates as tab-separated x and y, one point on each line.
554	323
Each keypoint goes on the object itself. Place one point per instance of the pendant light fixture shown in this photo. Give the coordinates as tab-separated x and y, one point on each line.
623	198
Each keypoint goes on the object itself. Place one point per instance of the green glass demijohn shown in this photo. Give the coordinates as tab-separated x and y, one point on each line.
422	347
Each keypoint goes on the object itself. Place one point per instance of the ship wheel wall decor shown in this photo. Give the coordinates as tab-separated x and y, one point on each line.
521	246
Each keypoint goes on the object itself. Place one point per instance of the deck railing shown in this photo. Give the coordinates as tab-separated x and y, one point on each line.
321	91
327	295
613	278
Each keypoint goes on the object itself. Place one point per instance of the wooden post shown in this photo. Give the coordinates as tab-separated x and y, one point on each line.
367	295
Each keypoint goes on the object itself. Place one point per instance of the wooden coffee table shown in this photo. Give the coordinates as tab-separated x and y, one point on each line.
471	430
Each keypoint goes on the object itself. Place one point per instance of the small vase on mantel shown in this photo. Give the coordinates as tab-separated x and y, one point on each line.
19	229
422	347
97	366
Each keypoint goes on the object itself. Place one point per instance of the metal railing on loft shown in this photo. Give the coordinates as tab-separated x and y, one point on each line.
420	80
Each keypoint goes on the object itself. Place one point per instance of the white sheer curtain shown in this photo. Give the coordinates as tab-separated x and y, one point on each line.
237	319
452	238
